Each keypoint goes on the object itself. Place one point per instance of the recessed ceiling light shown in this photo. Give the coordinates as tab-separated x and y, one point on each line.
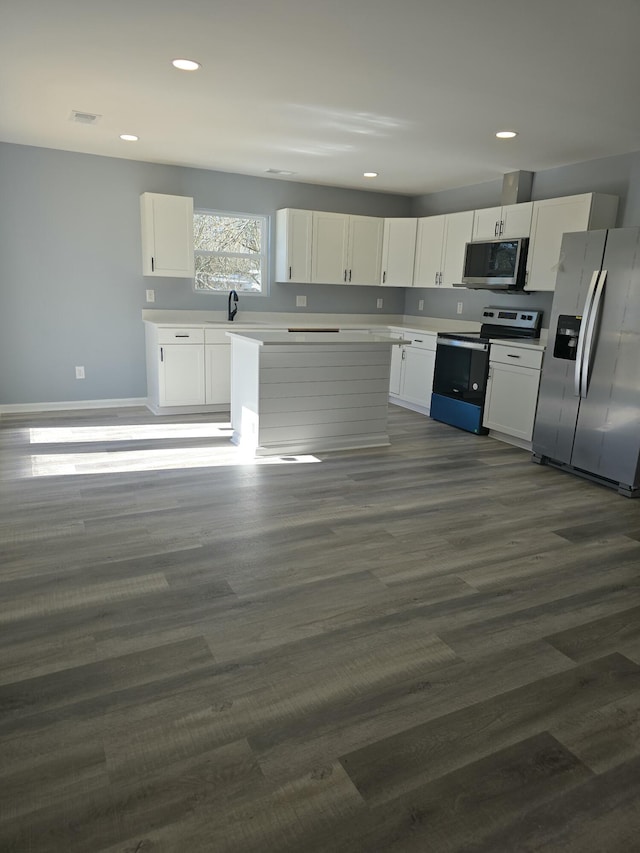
370	174
129	137
506	134
186	64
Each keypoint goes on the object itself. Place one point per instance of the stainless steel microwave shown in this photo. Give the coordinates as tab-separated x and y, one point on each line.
495	264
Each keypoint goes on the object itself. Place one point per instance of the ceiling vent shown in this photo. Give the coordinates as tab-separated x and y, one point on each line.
84	118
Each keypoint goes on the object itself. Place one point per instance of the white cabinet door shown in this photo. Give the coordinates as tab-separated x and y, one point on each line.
511	400
293	245
398	252
512	220
167	235
395	379
417	380
486	223
329	248
516	220
458	231
430	239
365	249
554	217
217	373
181	375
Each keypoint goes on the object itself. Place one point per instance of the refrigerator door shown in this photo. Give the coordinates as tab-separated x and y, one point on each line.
607	441
578	272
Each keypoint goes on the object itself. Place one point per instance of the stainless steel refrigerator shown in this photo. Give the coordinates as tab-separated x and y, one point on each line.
588	418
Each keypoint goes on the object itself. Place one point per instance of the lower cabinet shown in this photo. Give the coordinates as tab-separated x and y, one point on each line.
512	392
187	367
412	371
181	375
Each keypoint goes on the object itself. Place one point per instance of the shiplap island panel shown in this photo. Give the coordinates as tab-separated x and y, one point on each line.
301	392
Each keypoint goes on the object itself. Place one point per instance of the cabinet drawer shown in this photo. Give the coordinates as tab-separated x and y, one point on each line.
425	341
177	335
516	356
217	336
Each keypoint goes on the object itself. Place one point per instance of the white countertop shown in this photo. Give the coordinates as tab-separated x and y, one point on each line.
268	337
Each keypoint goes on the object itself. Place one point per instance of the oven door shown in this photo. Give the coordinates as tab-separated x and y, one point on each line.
461	370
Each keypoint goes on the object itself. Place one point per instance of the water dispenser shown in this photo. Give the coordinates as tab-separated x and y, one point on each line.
566	340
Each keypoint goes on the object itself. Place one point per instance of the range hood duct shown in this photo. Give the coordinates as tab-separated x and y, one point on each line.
516	187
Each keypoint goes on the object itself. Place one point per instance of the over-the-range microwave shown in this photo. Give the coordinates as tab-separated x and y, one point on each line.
495	264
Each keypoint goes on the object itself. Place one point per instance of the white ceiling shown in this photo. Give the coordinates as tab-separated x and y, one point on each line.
413	89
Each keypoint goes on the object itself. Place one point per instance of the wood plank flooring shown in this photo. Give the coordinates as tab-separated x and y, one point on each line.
433	646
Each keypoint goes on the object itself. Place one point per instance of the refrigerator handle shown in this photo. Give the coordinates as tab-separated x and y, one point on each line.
593	322
586	311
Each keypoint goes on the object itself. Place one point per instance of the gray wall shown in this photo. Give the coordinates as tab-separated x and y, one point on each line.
71	287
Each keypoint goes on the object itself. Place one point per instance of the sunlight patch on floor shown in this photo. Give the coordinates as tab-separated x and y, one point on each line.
127	432
156	459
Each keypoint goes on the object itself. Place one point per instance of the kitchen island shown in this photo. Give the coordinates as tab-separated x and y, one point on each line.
304	391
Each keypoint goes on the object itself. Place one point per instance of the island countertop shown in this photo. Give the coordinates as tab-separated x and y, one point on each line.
303	337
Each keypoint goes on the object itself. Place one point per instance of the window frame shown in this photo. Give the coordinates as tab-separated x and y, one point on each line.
265	254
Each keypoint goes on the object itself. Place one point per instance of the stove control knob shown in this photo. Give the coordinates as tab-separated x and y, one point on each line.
475	386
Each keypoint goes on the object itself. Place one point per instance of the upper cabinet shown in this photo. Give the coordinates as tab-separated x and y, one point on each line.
346	249
398	252
293	245
440	248
552	218
167	235
365	249
512	220
328	248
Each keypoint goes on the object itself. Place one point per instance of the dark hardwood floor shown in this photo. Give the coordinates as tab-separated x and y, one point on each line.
429	647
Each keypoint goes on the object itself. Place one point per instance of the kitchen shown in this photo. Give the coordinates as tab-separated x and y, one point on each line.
367	652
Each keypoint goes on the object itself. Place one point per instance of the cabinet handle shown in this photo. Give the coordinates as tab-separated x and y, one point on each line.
289	273
436	279
161	353
495	230
153	264
440	278
349	275
417	340
345	275
404	352
181	336
501	227
512	356
384	276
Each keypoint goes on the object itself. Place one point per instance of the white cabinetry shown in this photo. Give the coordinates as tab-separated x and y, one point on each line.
512	392
293	245
217	367
512	220
398	252
440	248
187	367
552	218
167	235
346	249
365	249
412	371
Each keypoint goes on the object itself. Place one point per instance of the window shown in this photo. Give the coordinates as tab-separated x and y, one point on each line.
230	251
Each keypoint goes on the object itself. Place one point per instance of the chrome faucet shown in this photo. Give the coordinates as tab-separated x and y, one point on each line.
233	297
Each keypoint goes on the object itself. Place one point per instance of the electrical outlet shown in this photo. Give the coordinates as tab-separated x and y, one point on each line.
379	303
459	308
79	372
151	296
301	301
420	304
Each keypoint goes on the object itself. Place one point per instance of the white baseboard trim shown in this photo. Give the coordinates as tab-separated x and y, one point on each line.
17	408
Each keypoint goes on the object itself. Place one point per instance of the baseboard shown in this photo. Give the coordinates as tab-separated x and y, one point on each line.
405	404
17	408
